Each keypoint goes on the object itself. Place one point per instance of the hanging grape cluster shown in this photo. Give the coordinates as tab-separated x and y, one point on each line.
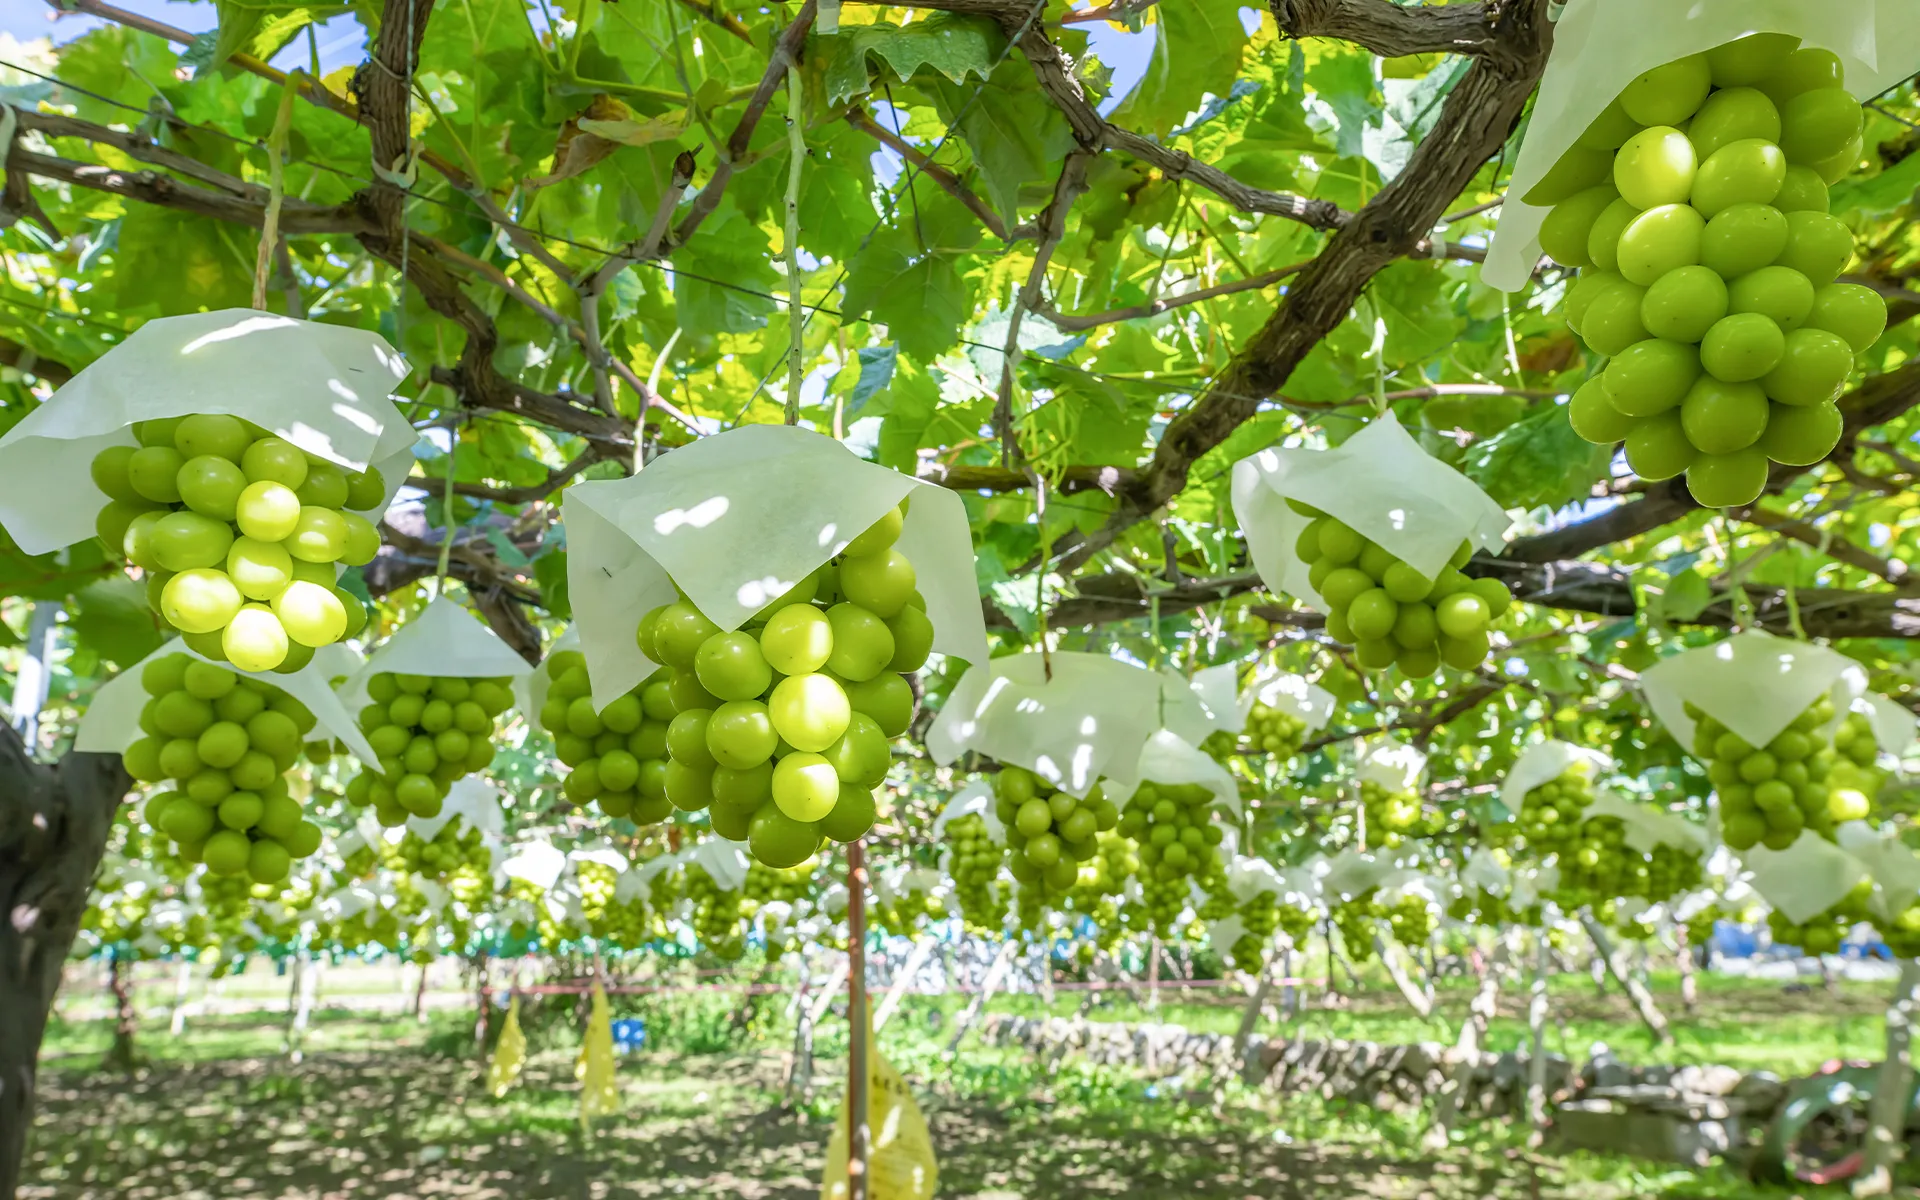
1823	932
238	535
618	756
1408	916
1697	207
719	914
225	741
1491	910
1391	614
1174	827
1049	832
783	728
973	861
429	731
1274	731
1261	917
456	856
1768	794
1393	814
1551	814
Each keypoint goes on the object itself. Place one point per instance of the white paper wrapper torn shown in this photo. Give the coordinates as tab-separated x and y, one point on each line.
1805	879
1288	693
1217	689
1600	46
1222	934
470	799
1546	761
1351	873
975	798
1381	483
1753	683
322	387
1304	886
601	853
1894	867
724	863
112	720
446	639
738	518
1248	876
1647	826
1166	758
1394	766
1893	723
537	863
1089	722
1483	871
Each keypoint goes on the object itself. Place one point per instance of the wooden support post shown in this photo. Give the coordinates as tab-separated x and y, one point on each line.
1892	1091
182	981
1250	1015
1635	990
1153	973
902	980
1421	1000
1466	1049
1537	1052
858	1020
1290	992
1683	956
978	1004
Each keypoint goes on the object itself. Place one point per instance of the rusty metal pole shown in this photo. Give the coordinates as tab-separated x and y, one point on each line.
857	1131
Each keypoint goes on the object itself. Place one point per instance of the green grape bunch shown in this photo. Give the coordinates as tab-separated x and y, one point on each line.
1768	794
1173	825
719	914
224	741
1049	832
1357	919
1854	780
1391	614
1260	916
1274	730
1696	207
1823	932
1597	866
782	729
1551	814
239	536
1394	813
974	860
456	857
616	757
429	731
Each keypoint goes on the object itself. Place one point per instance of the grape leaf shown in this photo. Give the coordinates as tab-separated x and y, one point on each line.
922	300
956	45
1538	461
1197	46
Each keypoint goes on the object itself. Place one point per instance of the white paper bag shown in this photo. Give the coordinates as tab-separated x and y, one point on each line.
530	689
445	639
1647	826
1600	46
536	862
974	799
1483	870
1394	766
1287	693
736	519
1894	867
1893	723
1217	689
470	799
1088	722
1753	683
1222	934
1381	483
1805	879
322	387
1546	761
1167	758
112	720
724	862
1351	874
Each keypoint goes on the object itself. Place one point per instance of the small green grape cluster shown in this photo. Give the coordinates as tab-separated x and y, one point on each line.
1116	859
1551	814
238	534
1698	205
790	885
783	728
1393	814
546	924
1902	933
903	912
1173	825
1274	730
1480	907
1049	832
1823	932
1390	613
1768	794
629	925
225	741
1296	922
617	757
456	846
1356	919
1702	925
1854	780
974	860
1409	917
429	731
1598	866
719	915
1261	917
1670	871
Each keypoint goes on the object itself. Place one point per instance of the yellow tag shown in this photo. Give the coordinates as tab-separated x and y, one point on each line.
599	1093
509	1053
900	1163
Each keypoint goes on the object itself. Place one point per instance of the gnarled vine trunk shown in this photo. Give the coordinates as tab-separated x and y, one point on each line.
53	830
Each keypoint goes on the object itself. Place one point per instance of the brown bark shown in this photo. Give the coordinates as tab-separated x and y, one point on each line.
54	820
